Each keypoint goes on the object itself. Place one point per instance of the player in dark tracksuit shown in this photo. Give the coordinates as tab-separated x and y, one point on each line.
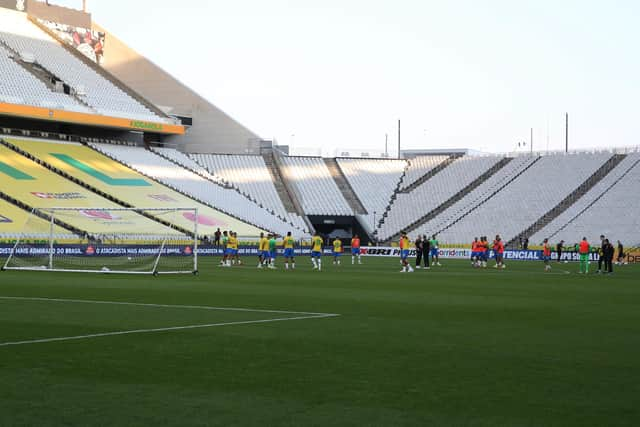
607	251
418	244
559	248
426	247
601	254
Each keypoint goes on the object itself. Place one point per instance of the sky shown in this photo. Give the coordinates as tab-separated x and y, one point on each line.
339	74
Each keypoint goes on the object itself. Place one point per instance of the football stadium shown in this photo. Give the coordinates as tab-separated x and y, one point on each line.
164	264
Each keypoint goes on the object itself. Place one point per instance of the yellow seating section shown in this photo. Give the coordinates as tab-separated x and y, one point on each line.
36	186
13	220
128	185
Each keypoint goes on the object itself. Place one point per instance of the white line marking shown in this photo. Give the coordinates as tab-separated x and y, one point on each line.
141	304
305	315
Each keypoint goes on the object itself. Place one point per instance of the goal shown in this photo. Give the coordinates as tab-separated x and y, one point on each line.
108	240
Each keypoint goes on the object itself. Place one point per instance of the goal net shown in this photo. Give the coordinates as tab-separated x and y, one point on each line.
108	240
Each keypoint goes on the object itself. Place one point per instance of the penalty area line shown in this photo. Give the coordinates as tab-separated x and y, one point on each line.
295	315
169	328
142	304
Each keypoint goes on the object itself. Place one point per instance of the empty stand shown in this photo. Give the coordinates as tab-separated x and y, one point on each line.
23	37
250	175
576	194
533	193
607	208
125	186
315	187
187	182
477	196
421	168
18	86
14	218
374	181
440	188
35	186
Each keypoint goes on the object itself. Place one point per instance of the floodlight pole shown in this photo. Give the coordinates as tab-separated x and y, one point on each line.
531	141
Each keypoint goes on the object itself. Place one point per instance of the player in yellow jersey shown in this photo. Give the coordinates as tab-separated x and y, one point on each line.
404	253
232	246
263	250
337	251
287	243
316	251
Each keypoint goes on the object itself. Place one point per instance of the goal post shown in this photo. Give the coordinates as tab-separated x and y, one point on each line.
108	240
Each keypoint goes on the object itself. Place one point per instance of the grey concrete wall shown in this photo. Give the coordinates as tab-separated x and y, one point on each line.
213	130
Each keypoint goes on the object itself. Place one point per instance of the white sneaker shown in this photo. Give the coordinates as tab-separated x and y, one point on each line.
402	271
417	267
439	265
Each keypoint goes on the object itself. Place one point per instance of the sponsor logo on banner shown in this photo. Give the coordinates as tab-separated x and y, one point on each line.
97	214
5	220
204	219
145	125
58	196
188	250
90	250
162	197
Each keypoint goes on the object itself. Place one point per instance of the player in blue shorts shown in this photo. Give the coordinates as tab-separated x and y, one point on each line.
433	243
404	253
337	251
288	243
316	252
272	251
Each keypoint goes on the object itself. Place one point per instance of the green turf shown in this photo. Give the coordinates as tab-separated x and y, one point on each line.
452	346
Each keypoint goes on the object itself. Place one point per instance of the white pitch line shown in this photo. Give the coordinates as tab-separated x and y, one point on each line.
171	328
140	304
304	315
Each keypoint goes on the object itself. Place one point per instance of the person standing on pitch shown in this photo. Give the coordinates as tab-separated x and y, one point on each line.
435	258
216	237
546	254
607	253
355	249
263	250
559	248
404	254
273	249
498	252
337	251
600	254
288	243
584	248
425	251
419	246
620	253
316	251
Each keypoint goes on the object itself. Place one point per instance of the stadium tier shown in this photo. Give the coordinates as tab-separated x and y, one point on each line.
20	87
420	166
528	197
13	220
609	208
317	190
186	181
374	181
124	184
21	38
476	196
38	187
251	176
410	207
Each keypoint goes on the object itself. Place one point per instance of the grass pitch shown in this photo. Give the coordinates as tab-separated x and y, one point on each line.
450	346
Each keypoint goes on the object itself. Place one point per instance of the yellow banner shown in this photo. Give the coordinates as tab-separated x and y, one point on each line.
27	111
